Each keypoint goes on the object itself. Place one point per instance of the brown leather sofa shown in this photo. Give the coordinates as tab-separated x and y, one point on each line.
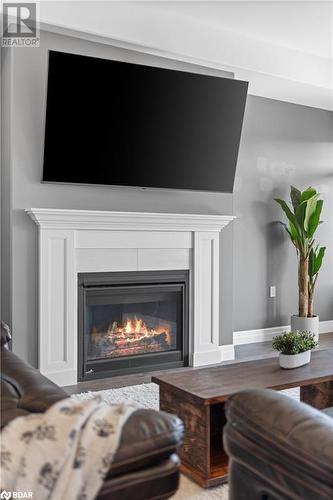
146	465
279	448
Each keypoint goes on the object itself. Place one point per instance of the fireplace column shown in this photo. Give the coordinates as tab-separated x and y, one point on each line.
206	299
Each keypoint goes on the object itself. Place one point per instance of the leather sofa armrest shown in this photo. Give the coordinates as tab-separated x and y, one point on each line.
36	393
148	437
279	438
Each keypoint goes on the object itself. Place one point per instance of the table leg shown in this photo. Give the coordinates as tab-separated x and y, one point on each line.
318	395
202	455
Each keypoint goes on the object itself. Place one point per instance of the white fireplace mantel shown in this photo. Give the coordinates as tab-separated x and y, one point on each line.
75	241
48	218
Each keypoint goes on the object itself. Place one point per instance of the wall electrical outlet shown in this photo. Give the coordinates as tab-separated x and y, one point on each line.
272	291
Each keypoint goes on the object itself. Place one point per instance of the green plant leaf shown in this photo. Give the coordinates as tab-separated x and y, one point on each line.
295	196
311	264
310	210
286	209
293	232
314	219
308	193
285	226
318	260
300	214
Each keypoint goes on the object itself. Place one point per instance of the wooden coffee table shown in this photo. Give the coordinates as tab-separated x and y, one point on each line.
198	396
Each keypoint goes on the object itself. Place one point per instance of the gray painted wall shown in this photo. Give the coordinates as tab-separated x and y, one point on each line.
281	143
28	95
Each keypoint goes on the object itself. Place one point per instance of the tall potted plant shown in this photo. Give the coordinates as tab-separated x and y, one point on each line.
303	220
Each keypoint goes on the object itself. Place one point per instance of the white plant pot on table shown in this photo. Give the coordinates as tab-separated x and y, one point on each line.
305	324
289	361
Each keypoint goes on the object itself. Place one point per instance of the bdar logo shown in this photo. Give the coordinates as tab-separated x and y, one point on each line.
5	495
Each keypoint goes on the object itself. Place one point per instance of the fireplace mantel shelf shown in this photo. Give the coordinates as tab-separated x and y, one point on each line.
48	218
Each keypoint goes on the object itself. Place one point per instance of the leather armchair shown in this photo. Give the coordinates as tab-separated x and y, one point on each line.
146	465
278	448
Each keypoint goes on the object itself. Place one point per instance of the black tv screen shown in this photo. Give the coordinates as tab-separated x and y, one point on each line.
122	124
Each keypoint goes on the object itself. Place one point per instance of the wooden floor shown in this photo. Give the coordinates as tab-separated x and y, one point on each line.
242	353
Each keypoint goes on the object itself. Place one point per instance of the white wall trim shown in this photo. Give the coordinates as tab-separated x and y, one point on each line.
266	334
125	44
227	352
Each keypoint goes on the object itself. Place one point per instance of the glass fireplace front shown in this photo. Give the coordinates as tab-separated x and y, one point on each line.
131	322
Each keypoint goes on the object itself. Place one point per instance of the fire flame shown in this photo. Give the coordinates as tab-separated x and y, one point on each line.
138	328
132	331
133	335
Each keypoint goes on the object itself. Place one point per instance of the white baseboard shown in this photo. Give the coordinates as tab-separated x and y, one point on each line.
227	352
62	378
326	326
205	358
265	334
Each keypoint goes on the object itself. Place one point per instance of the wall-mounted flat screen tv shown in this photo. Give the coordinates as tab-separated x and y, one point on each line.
122	124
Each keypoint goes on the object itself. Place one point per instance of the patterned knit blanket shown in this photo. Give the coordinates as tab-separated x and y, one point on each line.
64	453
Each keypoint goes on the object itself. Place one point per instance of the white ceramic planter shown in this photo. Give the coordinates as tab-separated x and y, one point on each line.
289	361
305	324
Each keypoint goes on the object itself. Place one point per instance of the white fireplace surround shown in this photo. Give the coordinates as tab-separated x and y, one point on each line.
75	241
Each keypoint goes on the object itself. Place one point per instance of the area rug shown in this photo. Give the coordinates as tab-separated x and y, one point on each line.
147	396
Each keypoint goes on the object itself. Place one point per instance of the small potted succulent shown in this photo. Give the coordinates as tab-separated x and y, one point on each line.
295	348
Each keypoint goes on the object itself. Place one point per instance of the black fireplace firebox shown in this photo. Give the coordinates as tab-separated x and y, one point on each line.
131	322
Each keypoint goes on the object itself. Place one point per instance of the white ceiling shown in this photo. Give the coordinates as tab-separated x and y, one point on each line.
304	26
283	48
